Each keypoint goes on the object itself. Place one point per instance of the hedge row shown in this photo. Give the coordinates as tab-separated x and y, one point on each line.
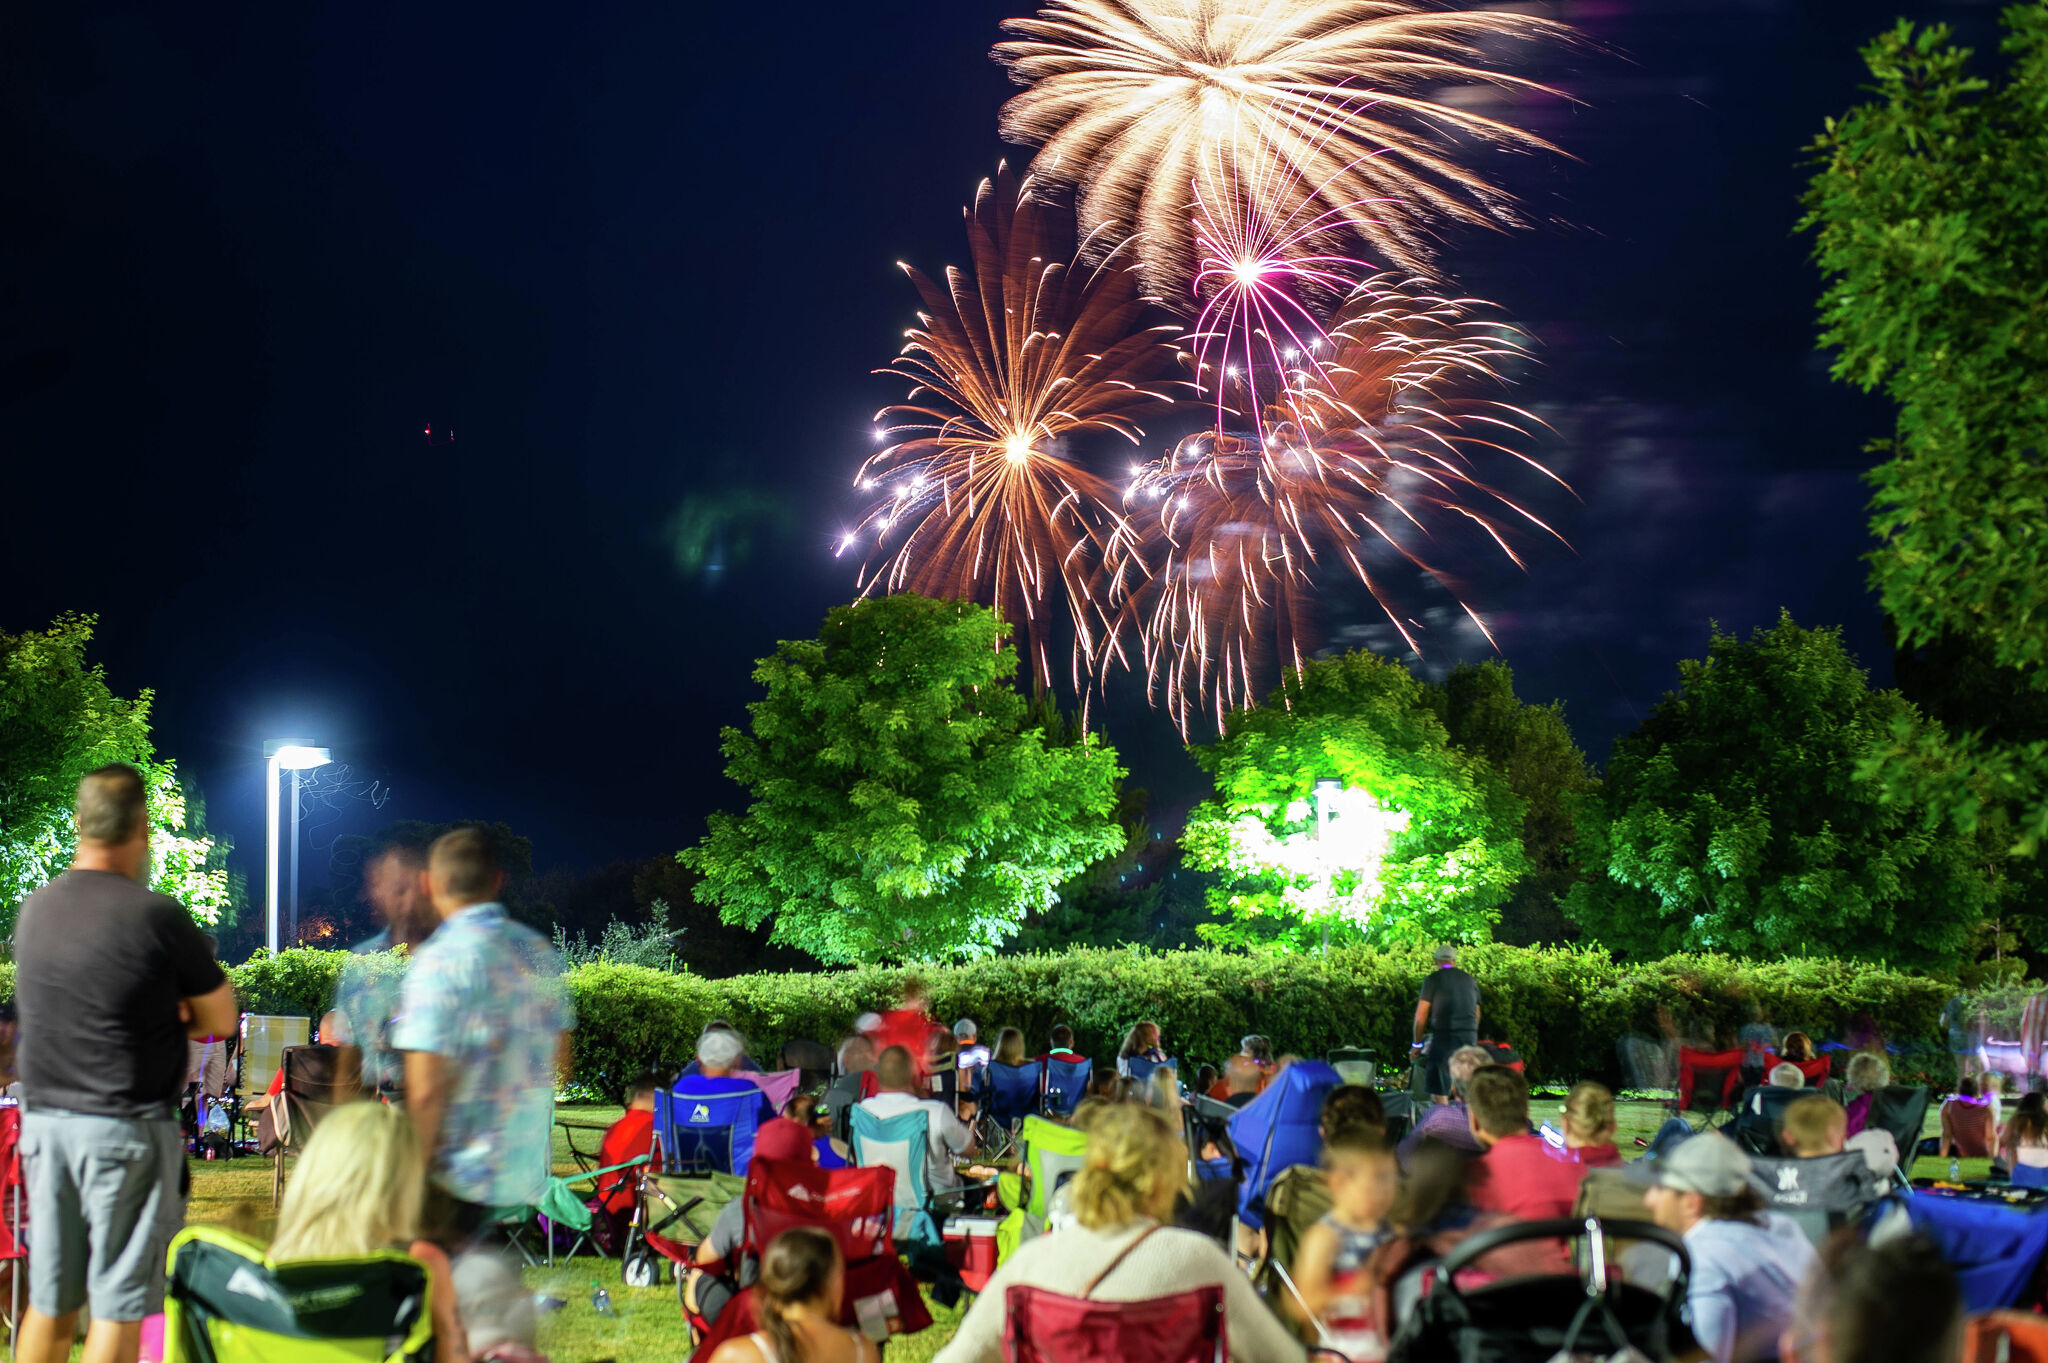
1565	1010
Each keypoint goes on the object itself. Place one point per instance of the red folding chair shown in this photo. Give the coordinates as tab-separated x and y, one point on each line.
1695	1066
13	1213
1050	1327
1815	1070
857	1207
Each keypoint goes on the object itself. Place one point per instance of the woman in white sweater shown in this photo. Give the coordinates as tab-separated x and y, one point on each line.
1136	1166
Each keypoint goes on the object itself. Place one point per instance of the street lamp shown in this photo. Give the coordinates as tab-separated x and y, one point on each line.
284	755
1326	797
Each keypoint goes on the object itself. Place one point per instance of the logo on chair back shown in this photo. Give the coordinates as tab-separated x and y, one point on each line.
700	1112
246	1282
1790	1194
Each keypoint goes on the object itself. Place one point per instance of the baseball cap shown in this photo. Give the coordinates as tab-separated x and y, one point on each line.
965	1030
1709	1164
783	1138
1446	954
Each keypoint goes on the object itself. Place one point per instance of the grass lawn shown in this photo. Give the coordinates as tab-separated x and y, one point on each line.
647	1322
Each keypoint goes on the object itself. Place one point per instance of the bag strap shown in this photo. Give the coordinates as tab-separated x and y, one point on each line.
1121	1255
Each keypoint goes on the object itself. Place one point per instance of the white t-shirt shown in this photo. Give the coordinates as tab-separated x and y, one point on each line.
944	1133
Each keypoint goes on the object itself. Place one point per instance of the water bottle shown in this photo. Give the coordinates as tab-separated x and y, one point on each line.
600	1300
1955	1170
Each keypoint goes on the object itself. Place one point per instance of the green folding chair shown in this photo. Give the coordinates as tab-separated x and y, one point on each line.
1051	1154
562	1205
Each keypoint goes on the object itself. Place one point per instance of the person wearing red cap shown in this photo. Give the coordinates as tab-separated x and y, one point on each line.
719	1272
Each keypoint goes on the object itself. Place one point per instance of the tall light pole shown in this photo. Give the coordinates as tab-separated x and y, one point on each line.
280	756
1326	795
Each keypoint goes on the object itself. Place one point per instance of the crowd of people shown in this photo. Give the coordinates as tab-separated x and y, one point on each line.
456	1060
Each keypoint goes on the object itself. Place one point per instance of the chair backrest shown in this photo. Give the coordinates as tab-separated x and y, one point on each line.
1050	1327
13	1193
1054	1154
1358	1065
1816	1070
1141	1069
264	1038
1822	1194
710	1131
225	1303
1708	1079
856	1206
780	1086
1066	1084
1013	1090
1901	1110
2030	1176
899	1143
1762	1119
1298	1199
312	1089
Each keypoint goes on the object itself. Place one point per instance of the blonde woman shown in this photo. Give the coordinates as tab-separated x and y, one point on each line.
357	1190
1136	1167
1589	1126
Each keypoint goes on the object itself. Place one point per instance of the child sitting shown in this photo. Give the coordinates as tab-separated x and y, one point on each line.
630	1137
1336	1293
1589	1126
1814	1127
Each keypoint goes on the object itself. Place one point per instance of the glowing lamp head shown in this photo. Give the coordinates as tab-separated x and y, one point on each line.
299	757
1017	450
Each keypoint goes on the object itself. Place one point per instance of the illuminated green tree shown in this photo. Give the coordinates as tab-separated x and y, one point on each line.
1930	221
1734	819
905	806
58	720
1342	805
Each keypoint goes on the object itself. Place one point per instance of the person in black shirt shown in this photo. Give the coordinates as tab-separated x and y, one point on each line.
1448	1016
111	979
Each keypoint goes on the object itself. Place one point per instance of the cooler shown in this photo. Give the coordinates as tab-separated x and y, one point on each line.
971	1248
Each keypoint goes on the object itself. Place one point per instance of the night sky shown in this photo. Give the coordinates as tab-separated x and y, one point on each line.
639	260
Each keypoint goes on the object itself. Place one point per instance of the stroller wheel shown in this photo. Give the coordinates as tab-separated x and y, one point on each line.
641	1269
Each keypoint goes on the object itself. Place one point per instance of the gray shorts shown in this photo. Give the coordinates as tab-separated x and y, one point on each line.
104	1200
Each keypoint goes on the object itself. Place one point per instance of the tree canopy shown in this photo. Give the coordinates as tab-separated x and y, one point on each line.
59	720
1734	820
904	804
1930	220
1415	839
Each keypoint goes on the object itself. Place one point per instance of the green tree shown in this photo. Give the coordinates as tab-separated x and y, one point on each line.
1734	819
1342	806
1532	747
1140	896
58	720
1930	220
904	807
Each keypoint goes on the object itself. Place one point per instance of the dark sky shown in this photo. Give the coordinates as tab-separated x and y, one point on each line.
638	258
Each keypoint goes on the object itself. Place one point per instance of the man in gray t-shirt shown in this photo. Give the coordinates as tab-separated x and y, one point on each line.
1447	1015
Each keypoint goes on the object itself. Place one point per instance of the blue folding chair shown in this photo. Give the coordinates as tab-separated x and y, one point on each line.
1139	1068
1008	1095
901	1143
2029	1176
1066	1084
1278	1130
707	1132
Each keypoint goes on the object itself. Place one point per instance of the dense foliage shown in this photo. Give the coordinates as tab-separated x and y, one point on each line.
904	806
58	720
1416	841
1733	819
1566	1010
1930	221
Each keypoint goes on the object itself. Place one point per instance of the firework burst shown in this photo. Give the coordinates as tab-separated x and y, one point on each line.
1128	98
1354	470
978	495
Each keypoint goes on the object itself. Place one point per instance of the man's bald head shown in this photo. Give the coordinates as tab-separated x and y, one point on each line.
895	1072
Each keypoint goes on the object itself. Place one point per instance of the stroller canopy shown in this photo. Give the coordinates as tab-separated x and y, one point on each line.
1278	1130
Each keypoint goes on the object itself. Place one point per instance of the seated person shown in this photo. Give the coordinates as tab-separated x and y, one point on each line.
718	1271
359	1188
1448	1122
856	1081
1141	1043
720	1054
744	1064
1898	1302
1798	1048
1062	1044
1107	1086
970	1059
1207	1077
1349	1105
2023	1140
1242	1079
1814	1127
1518	1176
631	1136
944	1134
1966	1125
1335	1290
1589	1127
1868	1072
804	1110
797	1304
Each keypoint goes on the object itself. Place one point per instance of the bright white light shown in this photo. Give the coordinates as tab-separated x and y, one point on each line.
881	434
1345	839
845	543
293	757
1292	353
886	522
1231	372
867	485
1017	450
1248	272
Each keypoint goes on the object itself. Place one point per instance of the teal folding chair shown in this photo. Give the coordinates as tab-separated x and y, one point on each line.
562	1205
900	1142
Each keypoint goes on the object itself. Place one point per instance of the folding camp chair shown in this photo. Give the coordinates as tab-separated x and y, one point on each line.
708	1131
1358	1065
1708	1081
1901	1110
1040	1326
1298	1199
227	1303
1066	1084
312	1089
1762	1118
1823	1194
1280	1128
1009	1096
1139	1068
1207	1122
672	1215
2029	1176
900	1143
1815	1071
562	1206
1049	1155
857	1208
259	1055
778	1087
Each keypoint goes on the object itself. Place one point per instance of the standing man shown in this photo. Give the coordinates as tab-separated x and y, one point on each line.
111	980
373	979
1448	1017
483	1022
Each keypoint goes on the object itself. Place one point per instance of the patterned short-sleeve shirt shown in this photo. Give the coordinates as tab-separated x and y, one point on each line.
488	994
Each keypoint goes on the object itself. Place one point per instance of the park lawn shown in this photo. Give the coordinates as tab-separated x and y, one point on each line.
647	1323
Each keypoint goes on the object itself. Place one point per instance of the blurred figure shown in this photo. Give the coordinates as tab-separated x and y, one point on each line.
812	1116
484	1023
1351	1105
1449	1123
1962	1017
1109	1088
1142	1042
797	1303
1898	1302
358	1189
1968	1123
373	978
2023	1140
1868	1072
1330	1267
908	1025
1589	1127
1814	1127
1242	1079
1786	1075
1798	1046
970	1056
856	1081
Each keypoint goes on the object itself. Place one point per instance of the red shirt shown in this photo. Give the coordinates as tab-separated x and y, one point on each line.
630	1136
1591	1156
1523	1178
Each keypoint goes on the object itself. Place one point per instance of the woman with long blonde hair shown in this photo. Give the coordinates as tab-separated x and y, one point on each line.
358	1190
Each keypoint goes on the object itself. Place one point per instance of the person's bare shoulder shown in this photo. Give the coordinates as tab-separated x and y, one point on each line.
737	1351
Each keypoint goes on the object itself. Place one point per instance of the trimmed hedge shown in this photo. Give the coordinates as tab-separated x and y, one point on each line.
1565	1010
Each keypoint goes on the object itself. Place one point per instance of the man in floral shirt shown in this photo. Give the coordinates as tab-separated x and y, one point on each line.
484	1023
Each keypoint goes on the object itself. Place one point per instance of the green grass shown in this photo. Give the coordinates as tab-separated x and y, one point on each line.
647	1322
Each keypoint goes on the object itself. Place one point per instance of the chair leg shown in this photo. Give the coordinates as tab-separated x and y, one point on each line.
276	1178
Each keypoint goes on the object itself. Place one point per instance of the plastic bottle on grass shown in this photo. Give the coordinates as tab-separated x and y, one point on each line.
600	1300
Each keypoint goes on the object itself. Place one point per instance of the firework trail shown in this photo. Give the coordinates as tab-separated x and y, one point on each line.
1361	462
1128	98
977	493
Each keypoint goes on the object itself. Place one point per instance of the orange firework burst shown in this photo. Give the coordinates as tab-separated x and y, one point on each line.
979	492
1313	97
1366	454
